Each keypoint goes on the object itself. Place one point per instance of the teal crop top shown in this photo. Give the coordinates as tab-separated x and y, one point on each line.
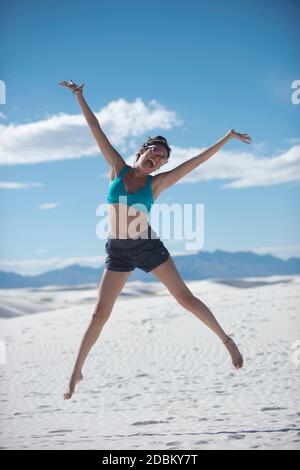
142	199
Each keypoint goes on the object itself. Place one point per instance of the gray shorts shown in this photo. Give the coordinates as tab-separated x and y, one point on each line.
128	254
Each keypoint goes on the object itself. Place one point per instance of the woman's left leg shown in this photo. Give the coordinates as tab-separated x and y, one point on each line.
167	273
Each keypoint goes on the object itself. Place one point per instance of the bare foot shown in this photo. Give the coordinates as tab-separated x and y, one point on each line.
74	380
237	358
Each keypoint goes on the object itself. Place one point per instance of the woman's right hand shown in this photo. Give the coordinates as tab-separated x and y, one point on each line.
72	86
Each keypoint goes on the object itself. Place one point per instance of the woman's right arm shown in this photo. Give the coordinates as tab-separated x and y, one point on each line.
110	154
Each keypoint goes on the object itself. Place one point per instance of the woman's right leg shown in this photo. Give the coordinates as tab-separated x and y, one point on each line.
110	286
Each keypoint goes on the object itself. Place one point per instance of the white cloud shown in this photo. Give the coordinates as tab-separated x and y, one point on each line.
49	205
38	266
18	185
281	251
65	136
244	168
283	168
3	116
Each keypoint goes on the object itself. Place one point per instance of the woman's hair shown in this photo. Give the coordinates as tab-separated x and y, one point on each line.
159	139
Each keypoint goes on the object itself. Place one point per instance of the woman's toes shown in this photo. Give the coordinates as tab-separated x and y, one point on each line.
67	395
75	379
239	364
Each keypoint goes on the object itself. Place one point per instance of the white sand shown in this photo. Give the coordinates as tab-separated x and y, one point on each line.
29	300
157	378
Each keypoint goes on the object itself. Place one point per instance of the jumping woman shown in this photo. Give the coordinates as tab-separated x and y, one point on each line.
126	249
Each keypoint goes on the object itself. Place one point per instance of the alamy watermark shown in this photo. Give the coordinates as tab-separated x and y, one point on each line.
2	352
295	356
296	95
2	92
187	221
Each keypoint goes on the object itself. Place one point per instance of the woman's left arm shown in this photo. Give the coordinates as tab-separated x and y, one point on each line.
168	178
203	156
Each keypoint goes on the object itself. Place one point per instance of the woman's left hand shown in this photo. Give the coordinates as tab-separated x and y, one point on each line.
236	135
71	85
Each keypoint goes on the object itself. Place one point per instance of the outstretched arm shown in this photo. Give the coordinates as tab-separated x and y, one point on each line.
168	178
109	152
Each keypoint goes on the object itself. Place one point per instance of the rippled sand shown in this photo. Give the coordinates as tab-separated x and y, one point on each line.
158	378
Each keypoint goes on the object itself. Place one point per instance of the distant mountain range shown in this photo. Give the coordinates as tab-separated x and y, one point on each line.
202	265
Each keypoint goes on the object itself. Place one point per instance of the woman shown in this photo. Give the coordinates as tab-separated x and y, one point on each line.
126	248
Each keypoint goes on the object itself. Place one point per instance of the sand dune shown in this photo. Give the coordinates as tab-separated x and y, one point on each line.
157	378
30	300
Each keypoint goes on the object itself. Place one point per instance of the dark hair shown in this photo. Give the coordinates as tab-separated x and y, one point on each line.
159	139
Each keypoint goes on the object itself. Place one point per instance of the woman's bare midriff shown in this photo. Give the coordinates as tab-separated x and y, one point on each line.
127	222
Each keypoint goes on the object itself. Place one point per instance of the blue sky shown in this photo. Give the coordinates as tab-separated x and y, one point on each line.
187	70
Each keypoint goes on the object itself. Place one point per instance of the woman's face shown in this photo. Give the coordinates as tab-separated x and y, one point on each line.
150	160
